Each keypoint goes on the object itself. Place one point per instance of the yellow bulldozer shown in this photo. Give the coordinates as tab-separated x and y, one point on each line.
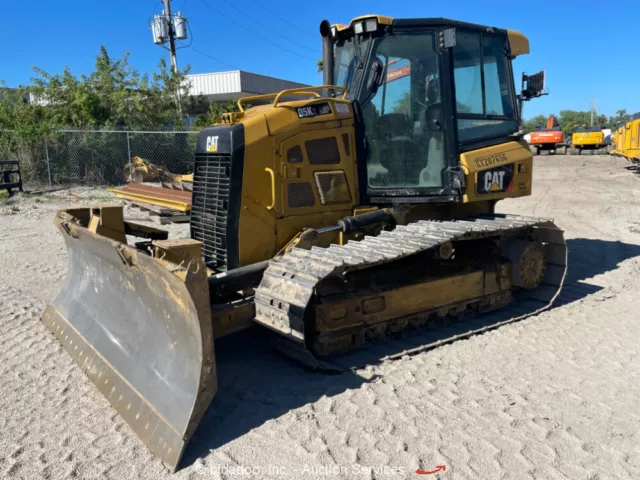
333	216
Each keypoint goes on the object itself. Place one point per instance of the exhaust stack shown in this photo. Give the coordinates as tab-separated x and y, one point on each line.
327	52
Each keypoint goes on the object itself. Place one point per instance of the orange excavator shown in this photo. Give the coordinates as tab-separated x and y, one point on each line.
549	138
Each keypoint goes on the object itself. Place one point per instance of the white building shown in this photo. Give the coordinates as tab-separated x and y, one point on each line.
224	86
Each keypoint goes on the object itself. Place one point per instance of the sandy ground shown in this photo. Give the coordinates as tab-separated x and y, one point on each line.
553	396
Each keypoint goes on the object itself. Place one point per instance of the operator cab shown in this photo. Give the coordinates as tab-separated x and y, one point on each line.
424	91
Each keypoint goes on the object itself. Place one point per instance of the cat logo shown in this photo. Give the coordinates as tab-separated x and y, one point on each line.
495	180
212	144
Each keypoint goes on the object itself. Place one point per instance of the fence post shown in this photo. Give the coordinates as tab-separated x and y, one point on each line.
129	152
46	152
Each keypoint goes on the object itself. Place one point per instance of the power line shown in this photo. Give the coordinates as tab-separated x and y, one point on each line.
255	34
214	58
297	27
268	28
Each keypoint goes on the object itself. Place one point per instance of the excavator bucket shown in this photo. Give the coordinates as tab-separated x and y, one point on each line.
138	326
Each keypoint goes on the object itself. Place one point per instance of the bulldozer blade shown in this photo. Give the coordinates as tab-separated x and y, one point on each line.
142	334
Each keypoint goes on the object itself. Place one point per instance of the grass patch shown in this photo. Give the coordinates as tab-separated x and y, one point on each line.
61	196
39	196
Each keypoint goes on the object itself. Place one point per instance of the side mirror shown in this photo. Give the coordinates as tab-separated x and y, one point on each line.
375	75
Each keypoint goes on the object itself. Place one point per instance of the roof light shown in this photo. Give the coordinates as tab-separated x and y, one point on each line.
358	28
371	25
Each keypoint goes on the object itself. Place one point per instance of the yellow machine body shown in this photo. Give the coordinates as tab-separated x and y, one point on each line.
587	139
270	214
627	141
324	214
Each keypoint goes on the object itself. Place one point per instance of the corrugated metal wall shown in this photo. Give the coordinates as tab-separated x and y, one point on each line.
260	84
237	81
215	83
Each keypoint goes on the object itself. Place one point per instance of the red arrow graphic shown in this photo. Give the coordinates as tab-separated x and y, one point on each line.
439	468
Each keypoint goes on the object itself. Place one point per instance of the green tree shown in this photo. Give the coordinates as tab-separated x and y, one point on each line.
529	126
114	95
214	113
570	119
27	120
402	104
620	118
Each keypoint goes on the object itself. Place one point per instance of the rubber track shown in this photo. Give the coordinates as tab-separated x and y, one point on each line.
588	152
288	284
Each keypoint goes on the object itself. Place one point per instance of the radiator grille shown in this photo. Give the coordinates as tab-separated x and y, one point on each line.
210	207
300	195
294	154
323	151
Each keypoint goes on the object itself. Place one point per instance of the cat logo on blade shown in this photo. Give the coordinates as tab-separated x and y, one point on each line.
212	144
495	180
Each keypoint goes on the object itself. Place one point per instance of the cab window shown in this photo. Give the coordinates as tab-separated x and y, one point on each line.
484	97
405	149
343	69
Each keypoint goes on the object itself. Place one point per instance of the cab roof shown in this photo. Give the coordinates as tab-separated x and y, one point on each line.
519	44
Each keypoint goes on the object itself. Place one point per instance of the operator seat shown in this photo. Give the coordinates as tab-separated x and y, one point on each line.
432	122
399	154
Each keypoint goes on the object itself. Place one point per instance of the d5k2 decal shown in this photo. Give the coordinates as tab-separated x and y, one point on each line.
314	110
495	180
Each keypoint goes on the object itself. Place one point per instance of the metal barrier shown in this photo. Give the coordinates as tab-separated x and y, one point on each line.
102	157
10	176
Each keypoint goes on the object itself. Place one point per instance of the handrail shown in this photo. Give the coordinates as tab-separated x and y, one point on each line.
292	91
299	91
267	95
273	187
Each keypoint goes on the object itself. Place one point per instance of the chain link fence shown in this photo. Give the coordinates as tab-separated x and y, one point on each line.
101	157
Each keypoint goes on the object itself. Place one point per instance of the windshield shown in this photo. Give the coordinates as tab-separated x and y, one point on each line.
586	129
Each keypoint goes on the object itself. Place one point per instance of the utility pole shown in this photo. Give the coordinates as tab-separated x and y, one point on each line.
172	51
172	36
593	108
169	28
